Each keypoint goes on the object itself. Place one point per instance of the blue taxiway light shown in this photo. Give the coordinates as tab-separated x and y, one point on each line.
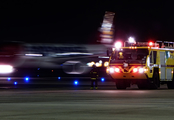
15	83
26	79
8	79
76	82
59	78
102	79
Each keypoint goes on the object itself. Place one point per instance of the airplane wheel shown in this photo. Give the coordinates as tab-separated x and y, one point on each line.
74	67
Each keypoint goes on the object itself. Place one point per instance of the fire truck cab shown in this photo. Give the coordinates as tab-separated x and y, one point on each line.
146	64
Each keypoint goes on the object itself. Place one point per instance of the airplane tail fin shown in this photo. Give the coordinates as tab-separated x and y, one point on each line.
107	29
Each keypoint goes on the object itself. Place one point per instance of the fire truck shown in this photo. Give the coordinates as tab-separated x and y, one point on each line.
146	64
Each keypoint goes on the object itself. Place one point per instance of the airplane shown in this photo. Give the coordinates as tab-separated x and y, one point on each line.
16	57
20	58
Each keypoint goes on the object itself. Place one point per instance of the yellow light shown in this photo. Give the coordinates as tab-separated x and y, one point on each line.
107	70
98	64
91	64
106	64
120	53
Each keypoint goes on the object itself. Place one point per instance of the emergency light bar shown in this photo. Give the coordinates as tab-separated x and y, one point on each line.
141	44
118	45
131	40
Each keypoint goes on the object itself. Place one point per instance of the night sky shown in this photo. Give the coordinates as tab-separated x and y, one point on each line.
78	22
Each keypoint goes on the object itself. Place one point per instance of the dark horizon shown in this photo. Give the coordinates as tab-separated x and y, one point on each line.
78	22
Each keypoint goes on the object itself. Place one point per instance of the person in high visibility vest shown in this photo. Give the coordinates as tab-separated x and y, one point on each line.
94	77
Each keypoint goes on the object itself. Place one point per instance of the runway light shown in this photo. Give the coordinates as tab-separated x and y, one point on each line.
15	83
8	79
75	82
102	79
59	78
26	79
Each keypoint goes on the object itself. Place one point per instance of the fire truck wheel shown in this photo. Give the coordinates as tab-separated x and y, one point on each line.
170	84
156	82
120	85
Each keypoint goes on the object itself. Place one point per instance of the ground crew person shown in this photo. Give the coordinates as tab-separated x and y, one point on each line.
94	77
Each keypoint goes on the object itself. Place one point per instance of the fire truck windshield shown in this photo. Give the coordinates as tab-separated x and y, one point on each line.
130	56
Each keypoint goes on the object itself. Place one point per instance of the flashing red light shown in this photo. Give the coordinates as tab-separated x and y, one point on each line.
135	70
150	43
117	70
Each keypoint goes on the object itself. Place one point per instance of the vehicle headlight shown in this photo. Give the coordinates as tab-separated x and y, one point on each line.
111	70
141	70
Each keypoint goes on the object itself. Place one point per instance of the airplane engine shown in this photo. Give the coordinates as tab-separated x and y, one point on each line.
75	67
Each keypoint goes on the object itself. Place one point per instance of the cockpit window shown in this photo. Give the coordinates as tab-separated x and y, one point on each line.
131	55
